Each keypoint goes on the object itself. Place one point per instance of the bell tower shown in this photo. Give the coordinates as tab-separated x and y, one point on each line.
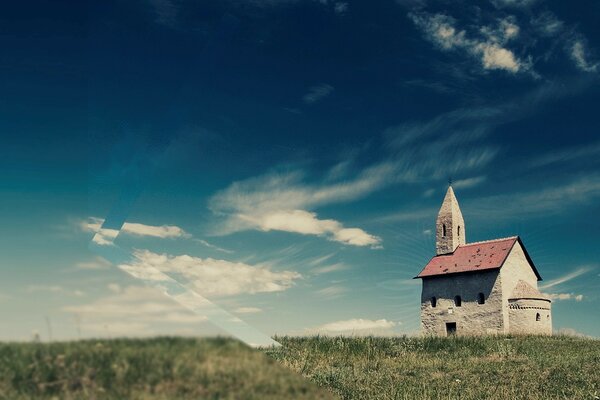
450	226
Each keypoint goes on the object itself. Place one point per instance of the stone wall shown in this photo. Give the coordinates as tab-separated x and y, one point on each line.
523	316
471	318
516	268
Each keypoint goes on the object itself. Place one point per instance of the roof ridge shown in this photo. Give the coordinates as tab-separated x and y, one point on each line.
490	241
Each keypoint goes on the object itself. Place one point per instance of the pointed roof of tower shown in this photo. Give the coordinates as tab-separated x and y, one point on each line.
450	203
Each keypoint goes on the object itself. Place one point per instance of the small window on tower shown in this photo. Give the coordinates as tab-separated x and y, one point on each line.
481	298
459	231
433	302
457	301
538	317
443	229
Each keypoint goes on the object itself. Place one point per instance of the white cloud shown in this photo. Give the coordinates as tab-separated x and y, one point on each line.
496	57
247	310
357	327
164	231
566	278
565	296
580	56
277	202
209	276
317	92
131	312
441	30
106	236
307	223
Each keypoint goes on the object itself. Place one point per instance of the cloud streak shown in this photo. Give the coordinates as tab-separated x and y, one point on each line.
566	278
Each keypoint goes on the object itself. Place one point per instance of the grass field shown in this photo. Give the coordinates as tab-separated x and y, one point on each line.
448	368
353	368
161	368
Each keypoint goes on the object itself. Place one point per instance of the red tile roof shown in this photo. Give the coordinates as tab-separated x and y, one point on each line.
472	257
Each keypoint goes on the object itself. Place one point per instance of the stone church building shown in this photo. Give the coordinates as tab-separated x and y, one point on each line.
480	288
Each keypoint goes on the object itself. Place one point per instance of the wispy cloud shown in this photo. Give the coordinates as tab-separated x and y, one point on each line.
331	292
356	327
317	92
489	49
211	277
587	152
469	182
330	268
547	24
514	3
553	199
566	278
565	296
340	7
580	55
212	246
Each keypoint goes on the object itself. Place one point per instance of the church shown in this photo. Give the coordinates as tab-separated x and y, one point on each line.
480	288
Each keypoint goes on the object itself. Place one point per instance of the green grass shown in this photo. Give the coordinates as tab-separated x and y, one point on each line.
447	368
353	368
161	368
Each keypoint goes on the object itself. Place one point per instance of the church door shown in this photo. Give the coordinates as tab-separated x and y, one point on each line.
450	328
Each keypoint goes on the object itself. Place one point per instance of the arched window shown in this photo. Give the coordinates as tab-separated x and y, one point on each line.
538	317
443	229
480	298
433	302
457	301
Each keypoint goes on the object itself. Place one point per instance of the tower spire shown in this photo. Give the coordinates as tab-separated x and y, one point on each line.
450	225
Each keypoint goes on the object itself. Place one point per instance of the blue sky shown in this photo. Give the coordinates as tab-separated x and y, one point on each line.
286	158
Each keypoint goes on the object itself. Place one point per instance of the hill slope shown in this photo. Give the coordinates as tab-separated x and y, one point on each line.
448	368
161	368
354	368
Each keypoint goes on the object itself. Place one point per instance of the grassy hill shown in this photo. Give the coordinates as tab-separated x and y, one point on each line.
161	368
448	368
353	368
